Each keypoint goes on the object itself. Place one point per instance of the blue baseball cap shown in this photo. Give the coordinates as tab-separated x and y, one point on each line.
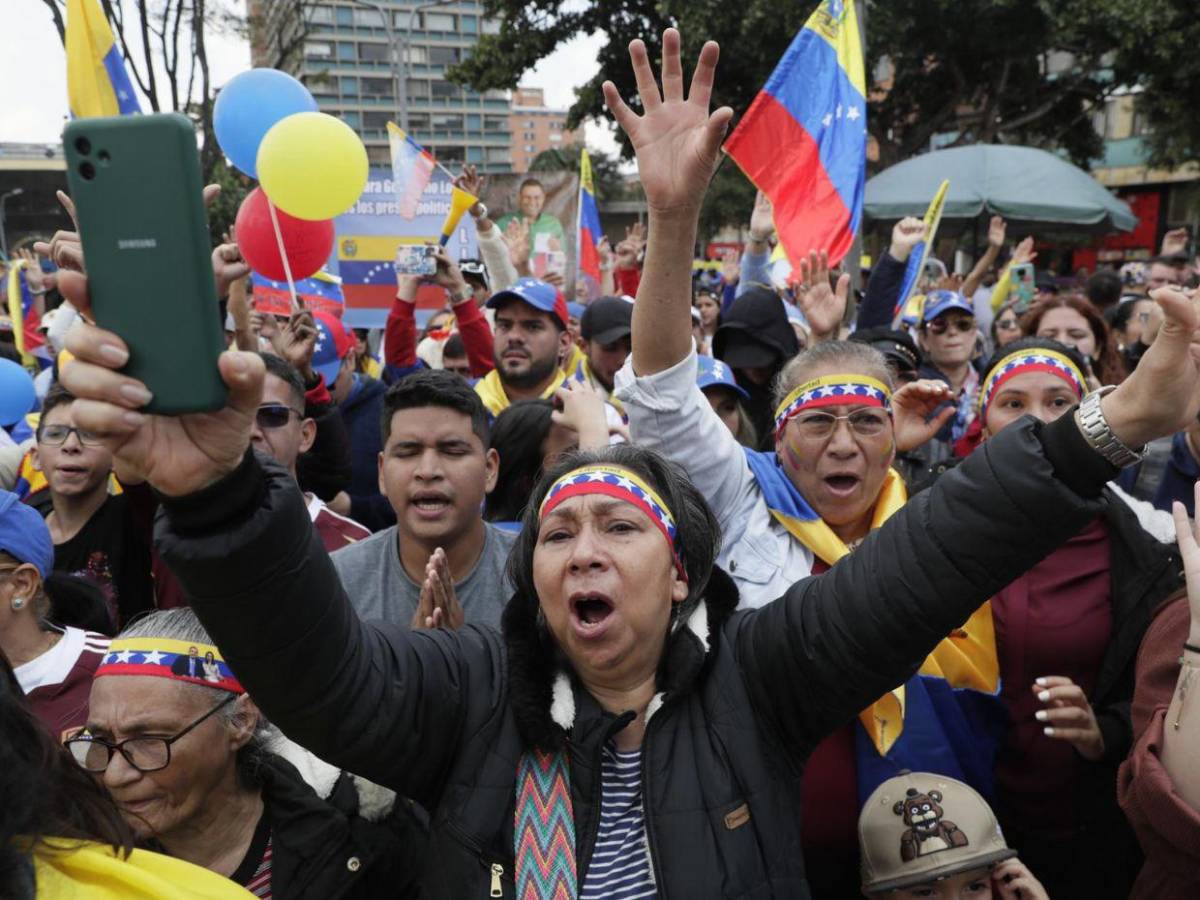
333	343
939	302
576	310
24	535
714	373
537	294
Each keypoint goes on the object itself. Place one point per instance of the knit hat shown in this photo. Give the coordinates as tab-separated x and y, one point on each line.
918	827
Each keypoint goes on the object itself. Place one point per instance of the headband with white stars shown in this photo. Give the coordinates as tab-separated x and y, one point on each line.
833	390
621	484
165	658
1021	361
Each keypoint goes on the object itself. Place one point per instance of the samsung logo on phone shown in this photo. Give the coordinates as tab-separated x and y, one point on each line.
137	244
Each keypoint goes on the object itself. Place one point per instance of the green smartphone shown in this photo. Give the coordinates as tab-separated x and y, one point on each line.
137	189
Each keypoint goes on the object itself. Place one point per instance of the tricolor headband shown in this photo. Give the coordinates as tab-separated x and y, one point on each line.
164	658
621	484
1033	360
833	390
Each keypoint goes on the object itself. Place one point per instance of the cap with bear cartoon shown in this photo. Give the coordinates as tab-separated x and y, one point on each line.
919	827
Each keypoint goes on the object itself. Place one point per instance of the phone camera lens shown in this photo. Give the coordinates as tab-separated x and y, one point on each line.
104	158
87	170
83	145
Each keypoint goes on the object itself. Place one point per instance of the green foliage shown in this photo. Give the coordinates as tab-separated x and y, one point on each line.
234	188
729	200
980	71
605	172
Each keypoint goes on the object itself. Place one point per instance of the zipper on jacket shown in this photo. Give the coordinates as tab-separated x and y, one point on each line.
651	843
497	887
589	840
494	869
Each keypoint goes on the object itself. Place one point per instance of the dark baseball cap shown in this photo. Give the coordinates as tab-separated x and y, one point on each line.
606	320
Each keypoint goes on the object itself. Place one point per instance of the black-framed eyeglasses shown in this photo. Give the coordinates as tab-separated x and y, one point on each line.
819	426
146	754
56	436
1007	325
274	415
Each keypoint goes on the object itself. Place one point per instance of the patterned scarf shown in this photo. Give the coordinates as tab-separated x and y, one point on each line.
544	828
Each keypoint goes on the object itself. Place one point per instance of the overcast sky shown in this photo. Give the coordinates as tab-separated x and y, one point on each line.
33	81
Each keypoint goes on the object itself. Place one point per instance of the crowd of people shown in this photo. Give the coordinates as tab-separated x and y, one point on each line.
722	584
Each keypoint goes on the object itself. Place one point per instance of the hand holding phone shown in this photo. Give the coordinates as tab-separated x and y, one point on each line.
416	259
136	188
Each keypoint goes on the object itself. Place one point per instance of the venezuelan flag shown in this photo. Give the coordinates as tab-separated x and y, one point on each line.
589	221
412	167
23	311
803	141
97	82
916	259
320	292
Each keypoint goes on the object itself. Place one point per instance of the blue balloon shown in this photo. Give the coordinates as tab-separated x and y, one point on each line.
249	105
17	396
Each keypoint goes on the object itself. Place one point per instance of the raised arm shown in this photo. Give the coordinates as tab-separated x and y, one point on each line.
676	141
864	627
996	232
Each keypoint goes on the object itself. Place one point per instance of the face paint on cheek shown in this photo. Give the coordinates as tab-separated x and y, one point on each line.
793	453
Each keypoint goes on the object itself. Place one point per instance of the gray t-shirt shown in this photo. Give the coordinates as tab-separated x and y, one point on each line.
379	588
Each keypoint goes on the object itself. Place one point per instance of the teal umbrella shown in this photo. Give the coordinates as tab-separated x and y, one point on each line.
1032	189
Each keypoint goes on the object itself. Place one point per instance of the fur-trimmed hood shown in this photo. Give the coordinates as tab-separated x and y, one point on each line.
543	689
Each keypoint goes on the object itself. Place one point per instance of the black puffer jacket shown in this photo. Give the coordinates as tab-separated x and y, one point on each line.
443	717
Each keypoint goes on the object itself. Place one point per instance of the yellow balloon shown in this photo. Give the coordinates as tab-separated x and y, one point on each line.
312	166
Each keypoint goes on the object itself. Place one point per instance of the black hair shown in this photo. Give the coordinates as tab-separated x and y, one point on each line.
454	346
1034	343
1123	312
56	396
286	372
435	387
49	800
77	601
518	435
531	182
698	534
1103	288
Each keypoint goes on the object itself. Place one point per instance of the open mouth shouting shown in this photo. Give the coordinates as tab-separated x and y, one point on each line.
591	614
841	484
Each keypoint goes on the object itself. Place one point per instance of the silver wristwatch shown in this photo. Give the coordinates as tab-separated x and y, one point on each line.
1097	433
479	210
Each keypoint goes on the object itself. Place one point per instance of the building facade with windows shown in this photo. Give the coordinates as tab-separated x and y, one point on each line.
535	127
340	50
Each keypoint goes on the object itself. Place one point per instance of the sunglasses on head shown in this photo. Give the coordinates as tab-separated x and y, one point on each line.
274	415
941	326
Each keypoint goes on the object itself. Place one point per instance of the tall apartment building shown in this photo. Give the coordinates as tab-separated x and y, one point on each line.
340	51
535	127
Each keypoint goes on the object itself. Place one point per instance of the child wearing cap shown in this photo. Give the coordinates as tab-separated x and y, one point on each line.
925	835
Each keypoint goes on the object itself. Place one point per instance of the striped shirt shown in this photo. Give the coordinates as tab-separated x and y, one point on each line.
254	871
260	882
620	867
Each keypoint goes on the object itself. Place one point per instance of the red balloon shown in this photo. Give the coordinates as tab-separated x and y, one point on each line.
308	244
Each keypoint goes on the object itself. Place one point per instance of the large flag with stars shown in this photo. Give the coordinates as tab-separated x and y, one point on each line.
803	141
321	291
97	82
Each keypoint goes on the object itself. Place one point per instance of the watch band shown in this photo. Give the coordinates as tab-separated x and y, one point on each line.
1099	436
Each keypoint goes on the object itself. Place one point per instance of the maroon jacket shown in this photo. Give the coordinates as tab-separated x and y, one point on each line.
1167	827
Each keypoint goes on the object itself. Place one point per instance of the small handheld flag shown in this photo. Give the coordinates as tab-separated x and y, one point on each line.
412	167
589	235
920	253
803	141
97	82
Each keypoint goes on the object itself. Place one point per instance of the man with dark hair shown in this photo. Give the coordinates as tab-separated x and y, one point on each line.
97	535
1104	289
436	468
545	231
530	337
283	431
604	330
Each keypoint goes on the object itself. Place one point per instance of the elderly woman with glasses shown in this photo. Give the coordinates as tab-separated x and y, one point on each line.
183	751
630	727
